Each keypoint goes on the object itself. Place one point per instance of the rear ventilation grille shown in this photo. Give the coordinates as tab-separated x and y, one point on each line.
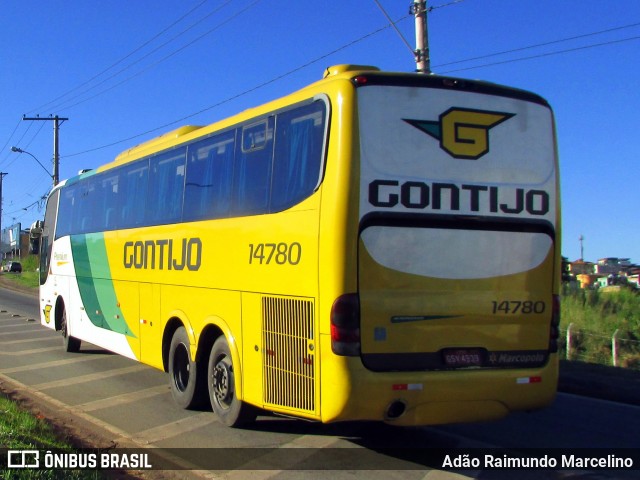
288	353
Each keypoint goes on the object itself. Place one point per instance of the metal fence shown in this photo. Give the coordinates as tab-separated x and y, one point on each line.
616	349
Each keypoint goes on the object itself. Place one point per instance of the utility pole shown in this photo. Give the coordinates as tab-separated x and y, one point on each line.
57	121
2	174
419	10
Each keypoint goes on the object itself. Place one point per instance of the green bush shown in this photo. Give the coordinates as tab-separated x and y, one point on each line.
30	263
595	316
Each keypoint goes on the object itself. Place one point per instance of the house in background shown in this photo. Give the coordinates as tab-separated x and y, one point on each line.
612	266
605	272
580	267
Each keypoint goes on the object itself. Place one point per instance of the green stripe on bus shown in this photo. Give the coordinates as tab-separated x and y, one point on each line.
94	282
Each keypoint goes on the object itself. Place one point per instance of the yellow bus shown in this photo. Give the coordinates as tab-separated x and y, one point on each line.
375	246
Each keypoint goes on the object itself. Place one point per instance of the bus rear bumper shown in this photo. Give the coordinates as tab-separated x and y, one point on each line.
435	397
434	413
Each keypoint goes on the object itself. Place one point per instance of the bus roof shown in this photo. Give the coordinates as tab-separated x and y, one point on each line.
361	74
155	144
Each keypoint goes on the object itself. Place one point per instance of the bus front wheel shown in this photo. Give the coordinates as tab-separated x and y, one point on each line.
70	344
222	388
187	380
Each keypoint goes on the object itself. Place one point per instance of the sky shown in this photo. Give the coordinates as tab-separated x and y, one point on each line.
125	71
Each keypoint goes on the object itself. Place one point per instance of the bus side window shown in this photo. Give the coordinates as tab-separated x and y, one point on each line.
108	201
132	193
166	187
209	178
298	155
86	195
252	182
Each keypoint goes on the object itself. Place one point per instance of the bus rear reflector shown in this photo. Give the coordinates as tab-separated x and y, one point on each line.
345	325
527	380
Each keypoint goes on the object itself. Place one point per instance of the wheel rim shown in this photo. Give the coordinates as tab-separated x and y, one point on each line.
222	378
181	368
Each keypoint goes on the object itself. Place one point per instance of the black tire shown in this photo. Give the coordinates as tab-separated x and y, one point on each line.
188	382
222	388
70	344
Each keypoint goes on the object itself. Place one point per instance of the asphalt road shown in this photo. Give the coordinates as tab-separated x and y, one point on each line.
115	401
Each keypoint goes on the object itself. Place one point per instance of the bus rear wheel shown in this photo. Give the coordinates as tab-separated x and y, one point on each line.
188	381
70	344
222	388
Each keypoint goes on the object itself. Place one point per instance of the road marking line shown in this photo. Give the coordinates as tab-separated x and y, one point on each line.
28	340
173	429
6	326
57	363
29	352
123	399
90	377
22	331
301	448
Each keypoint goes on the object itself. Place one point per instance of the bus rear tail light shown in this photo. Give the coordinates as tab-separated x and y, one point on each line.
360	81
345	325
554	331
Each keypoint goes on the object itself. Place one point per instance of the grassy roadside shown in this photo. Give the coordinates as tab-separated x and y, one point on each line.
28	279
20	430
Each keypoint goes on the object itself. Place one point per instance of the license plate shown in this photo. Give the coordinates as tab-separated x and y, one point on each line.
463	357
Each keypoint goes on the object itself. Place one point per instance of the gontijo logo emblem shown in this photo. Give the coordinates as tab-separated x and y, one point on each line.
463	132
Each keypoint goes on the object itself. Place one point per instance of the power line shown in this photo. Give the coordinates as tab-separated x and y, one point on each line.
454	2
4	147
163	59
31	205
21	137
35	135
343	47
25	146
279	77
544	44
393	24
130	54
241	94
219	25
216	10
548	54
